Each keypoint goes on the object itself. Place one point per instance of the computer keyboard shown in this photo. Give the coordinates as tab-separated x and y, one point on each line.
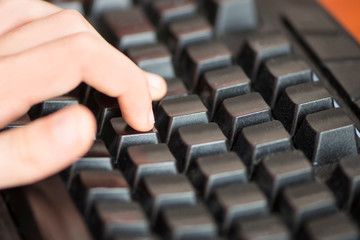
256	138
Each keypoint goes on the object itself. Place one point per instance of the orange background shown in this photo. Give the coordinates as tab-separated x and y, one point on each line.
347	12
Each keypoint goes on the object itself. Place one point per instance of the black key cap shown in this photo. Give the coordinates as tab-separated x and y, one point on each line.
158	192
96	8
277	74
187	222
128	28
238	202
203	57
345	181
111	218
20	122
278	171
298	101
148	160
346	77
188	31
233	15
220	84
332	47
153	58
238	112
258	49
306	201
310	19
264	228
7	226
45	210
258	141
327	136
104	108
335	227
174	113
175	88
166	11
211	172
90	187
191	142
52	105
97	158
119	136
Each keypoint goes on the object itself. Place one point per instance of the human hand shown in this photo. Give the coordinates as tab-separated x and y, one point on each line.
46	52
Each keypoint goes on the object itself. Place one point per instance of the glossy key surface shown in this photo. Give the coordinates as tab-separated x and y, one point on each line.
148	160
211	172
298	101
191	142
258	141
220	84
327	136
154	58
236	113
279	73
172	114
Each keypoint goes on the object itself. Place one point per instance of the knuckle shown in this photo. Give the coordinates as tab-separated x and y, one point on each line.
74	19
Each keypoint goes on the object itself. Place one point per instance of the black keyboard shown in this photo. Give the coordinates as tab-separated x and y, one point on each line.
257	137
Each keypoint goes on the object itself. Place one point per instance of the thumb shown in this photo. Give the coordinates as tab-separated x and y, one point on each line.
45	146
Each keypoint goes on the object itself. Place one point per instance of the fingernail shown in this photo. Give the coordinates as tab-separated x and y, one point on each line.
151	117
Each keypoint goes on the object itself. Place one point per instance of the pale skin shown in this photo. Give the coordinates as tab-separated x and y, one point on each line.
46	52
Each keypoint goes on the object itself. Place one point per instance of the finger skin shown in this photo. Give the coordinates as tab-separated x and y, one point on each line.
45	146
74	58
15	13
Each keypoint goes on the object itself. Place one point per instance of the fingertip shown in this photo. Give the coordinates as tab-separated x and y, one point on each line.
157	85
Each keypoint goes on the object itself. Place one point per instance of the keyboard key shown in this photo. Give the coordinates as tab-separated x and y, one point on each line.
277	74
97	158
278	171
187	31
128	28
90	187
187	222
258	49
232	15
104	108
346	77
238	202
148	160
303	202
310	19
264	228
220	84
119	136
203	57
327	136
191	142
45	210
172	114
20	122
335	226
298	101
153	58
158	192
52	105
210	172
345	181
7	226
257	141
238	112
116	217
96	8
175	88
166	11
75	5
